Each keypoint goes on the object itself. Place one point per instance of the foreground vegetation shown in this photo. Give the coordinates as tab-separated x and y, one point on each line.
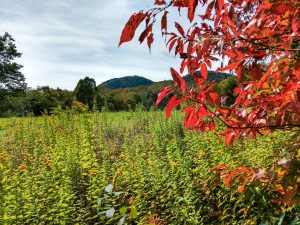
129	168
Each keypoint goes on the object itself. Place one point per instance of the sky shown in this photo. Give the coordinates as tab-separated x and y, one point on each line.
62	41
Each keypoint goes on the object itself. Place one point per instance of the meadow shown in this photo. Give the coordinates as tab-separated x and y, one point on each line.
129	168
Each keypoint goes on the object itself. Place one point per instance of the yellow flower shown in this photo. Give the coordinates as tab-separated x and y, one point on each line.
4	155
48	162
49	149
27	155
93	172
173	165
200	154
22	168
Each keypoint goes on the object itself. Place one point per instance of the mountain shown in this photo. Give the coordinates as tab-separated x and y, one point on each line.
126	82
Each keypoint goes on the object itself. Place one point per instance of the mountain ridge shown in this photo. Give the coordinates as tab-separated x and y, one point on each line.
126	82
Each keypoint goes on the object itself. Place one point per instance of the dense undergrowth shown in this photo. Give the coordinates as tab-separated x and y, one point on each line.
129	168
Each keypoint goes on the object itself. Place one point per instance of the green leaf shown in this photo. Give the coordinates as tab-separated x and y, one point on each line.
281	219
123	210
133	212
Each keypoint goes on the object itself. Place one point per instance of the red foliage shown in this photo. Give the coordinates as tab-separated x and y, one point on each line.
260	37
260	40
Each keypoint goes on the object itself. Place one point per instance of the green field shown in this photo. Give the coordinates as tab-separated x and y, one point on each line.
128	168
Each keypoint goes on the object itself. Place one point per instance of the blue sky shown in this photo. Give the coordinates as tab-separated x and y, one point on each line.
65	40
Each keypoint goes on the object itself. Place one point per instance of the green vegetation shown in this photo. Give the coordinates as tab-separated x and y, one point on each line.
131	167
85	91
45	99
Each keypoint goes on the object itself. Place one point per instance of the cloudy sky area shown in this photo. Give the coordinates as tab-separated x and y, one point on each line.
65	40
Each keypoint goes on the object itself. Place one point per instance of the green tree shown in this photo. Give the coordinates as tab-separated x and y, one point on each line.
11	79
85	91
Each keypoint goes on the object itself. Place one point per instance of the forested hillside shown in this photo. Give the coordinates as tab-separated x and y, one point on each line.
125	82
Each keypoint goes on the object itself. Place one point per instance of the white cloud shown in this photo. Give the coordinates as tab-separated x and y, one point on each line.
65	40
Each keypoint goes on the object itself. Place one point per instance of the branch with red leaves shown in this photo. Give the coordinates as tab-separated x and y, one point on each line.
259	40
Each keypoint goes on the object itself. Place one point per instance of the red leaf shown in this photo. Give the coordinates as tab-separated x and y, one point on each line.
181	3
219	167
191	9
280	8
180	29
164	23
174	102
297	68
212	125
296	25
172	43
163	93
204	72
213	99
223	111
229	137
245	170
220	4
145	33
131	26
171	105
150	40
241	188
239	74
227	179
209	9
255	72
160	2
178	80
232	66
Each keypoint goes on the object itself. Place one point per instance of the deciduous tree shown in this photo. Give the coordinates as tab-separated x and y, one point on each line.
85	91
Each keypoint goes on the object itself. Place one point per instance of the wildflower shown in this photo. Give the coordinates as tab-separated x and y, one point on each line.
27	155
200	154
4	155
49	149
93	172
48	162
22	168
